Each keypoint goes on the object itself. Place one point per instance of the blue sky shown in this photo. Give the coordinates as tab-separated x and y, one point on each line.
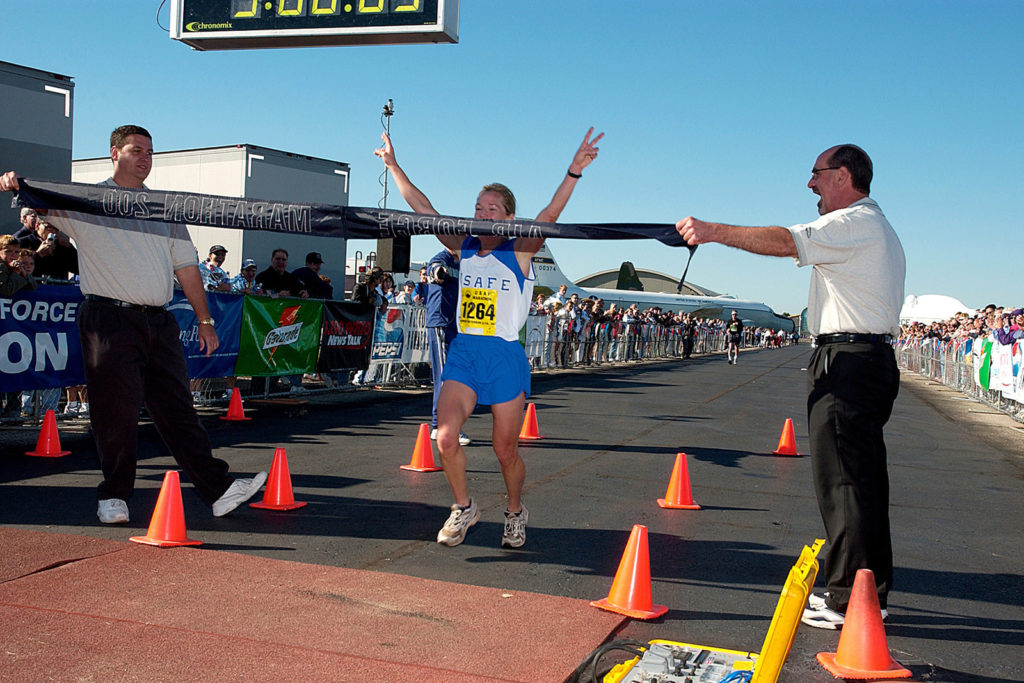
716	109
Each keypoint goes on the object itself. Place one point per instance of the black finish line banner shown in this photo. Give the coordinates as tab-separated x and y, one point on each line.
313	219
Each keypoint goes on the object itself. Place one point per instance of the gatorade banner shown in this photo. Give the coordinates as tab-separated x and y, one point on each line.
279	336
346	336
39	343
226	309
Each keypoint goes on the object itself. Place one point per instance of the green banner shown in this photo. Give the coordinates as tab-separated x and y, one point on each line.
279	337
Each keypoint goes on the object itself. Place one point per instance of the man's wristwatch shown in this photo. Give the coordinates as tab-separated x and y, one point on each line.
206	321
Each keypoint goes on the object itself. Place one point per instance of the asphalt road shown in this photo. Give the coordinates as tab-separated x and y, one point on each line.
611	437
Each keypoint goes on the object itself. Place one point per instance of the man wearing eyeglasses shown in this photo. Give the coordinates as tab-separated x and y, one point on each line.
853	311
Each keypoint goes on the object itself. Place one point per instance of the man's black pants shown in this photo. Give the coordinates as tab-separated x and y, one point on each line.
852	390
133	358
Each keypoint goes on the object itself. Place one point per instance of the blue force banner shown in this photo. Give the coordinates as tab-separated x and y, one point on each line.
226	309
346	335
39	344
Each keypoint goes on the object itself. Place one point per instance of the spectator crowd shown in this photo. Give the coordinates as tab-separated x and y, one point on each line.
584	331
1003	325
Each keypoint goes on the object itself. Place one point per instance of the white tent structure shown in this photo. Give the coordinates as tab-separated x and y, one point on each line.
929	308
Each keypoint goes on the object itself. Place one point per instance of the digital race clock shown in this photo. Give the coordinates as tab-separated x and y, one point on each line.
244	24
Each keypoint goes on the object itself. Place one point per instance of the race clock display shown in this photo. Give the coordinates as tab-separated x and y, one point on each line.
249	24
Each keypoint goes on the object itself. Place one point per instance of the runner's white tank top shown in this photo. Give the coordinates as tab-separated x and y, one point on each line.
494	295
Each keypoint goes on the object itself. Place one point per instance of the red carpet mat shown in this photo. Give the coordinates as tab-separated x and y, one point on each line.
81	608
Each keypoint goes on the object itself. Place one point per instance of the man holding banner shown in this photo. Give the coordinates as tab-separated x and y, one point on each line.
855	299
130	342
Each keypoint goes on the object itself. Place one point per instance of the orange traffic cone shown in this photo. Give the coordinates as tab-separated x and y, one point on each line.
631	589
787	442
529	432
48	445
678	496
422	453
235	412
167	526
863	651
278	495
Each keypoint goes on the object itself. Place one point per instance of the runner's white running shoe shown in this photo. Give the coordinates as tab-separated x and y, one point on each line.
454	530
515	528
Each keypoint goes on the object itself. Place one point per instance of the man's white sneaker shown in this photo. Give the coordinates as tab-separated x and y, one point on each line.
112	511
818	614
240	491
464	439
454	530
514	535
72	408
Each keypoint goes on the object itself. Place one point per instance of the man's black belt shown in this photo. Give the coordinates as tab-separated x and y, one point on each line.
97	299
852	338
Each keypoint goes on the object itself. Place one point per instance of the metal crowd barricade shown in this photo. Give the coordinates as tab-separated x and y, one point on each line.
951	365
550	343
554	342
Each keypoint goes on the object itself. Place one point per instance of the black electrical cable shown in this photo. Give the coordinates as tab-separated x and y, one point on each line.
634	647
162	2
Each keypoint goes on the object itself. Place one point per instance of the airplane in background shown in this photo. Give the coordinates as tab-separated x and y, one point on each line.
752	313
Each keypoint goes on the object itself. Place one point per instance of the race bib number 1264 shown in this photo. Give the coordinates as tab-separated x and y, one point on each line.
476	313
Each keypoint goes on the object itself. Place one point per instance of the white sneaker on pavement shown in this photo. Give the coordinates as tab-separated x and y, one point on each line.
514	535
240	491
818	614
464	439
112	511
454	530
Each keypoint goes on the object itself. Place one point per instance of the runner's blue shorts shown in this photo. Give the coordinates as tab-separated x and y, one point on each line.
495	368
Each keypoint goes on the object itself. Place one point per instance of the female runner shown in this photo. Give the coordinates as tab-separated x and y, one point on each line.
486	364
